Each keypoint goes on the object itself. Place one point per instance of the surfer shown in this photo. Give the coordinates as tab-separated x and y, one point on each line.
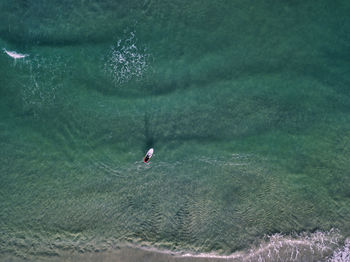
148	155
14	54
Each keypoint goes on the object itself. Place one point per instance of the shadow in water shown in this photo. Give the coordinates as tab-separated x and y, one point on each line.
149	139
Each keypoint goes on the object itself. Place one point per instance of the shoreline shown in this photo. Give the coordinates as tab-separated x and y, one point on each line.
317	246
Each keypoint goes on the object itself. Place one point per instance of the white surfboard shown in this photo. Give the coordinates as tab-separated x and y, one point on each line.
14	54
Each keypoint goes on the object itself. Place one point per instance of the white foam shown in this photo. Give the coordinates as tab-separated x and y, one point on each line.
41	84
341	254
126	61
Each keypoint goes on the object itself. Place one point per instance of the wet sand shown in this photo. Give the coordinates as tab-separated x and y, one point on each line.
124	254
315	247
132	254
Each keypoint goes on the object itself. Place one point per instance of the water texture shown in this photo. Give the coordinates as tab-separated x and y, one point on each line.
245	104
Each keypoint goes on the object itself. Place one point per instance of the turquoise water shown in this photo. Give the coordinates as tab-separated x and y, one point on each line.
246	105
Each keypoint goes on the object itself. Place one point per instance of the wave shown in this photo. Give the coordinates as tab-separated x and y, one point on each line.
328	246
317	246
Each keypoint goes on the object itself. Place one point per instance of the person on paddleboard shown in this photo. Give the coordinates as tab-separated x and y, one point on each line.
148	155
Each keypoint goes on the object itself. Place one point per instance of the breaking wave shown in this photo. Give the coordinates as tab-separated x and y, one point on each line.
341	254
318	246
328	246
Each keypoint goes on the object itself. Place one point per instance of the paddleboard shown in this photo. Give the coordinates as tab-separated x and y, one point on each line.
148	155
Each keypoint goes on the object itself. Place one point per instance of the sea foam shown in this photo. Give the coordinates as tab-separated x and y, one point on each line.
126	60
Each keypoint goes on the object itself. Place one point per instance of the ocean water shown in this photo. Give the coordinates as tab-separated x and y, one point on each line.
247	107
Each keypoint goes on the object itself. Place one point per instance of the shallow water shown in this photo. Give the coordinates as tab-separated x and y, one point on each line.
246	105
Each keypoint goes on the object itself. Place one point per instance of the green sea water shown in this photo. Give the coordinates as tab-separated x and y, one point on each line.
246	104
